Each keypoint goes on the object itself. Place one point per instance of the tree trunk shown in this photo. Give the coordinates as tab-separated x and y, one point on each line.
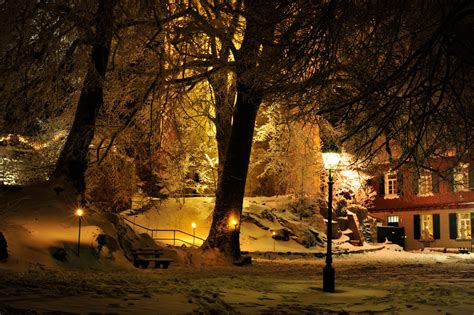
224	100
72	162
224	234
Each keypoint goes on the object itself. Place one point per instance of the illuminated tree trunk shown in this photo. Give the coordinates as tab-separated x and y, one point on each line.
224	235
223	100
230	193
72	162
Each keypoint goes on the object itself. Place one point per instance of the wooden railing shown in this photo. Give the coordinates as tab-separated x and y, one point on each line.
176	235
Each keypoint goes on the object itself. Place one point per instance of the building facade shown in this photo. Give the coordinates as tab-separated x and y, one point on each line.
435	208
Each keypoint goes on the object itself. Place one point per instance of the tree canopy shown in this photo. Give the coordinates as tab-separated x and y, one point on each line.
138	78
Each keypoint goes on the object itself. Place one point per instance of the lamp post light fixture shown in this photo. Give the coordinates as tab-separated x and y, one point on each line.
331	160
234	223
194	231
79	213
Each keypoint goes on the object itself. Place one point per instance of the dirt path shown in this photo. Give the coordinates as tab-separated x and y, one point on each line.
422	284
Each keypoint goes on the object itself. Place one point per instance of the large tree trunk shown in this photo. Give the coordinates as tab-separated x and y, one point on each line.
72	162
224	235
224	103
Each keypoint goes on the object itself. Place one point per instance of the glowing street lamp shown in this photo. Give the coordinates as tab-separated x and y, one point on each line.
331	159
234	223
194	231
79	213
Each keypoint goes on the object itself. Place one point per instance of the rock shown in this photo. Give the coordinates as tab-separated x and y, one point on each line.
309	240
59	254
267	214
320	238
250	219
281	235
3	248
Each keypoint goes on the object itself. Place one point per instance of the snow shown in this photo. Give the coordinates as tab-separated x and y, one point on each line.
386	280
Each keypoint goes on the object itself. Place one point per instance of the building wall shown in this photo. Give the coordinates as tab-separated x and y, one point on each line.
407	221
409	203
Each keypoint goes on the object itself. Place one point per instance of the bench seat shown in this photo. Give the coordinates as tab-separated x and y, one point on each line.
143	256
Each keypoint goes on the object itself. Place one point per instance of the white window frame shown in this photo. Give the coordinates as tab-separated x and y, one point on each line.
391	185
464	222
460	177
426	227
425	184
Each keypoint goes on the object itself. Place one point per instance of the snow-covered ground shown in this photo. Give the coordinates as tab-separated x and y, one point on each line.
38	221
385	281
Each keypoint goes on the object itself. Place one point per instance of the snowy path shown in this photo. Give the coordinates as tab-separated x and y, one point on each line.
383	282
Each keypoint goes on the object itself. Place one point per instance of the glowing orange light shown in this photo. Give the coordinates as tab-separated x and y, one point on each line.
79	212
193	225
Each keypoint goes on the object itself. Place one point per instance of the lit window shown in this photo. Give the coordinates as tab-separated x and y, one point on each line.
391	185
426	223
460	177
464	226
425	184
392	219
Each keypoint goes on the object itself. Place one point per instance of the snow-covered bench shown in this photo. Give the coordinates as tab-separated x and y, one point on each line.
143	256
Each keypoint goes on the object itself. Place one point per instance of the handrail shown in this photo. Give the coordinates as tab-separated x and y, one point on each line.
166	230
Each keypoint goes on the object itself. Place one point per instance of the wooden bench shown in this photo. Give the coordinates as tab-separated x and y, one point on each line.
143	256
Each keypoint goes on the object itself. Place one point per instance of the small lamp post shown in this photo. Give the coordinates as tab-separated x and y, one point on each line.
194	231
331	159
79	213
234	223
273	236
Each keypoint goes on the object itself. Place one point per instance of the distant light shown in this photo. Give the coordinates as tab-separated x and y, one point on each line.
273	233
79	212
193	225
234	222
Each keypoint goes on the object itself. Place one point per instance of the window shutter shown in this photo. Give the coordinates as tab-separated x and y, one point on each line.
453	226
415	183
436	227
451	180
382	186
472	225
400	184
416	225
471	177
435	182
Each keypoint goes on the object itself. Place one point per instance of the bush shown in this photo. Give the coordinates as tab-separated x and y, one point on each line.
341	208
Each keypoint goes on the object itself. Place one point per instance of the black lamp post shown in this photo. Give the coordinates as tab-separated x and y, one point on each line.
331	160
